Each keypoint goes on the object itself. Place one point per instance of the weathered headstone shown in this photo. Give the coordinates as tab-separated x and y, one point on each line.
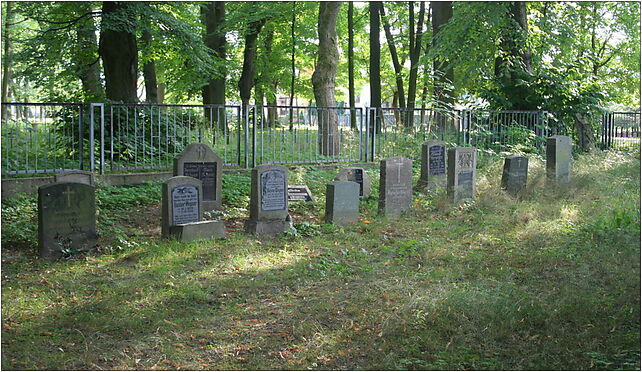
300	193
433	165
268	201
75	176
182	211
462	172
342	202
358	175
515	175
66	219
559	159
199	161
395	186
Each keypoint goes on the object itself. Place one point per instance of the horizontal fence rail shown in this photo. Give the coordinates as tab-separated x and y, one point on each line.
50	137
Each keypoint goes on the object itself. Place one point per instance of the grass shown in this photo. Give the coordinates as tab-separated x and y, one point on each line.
548	282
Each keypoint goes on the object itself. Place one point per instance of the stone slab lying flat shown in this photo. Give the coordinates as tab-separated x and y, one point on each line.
198	230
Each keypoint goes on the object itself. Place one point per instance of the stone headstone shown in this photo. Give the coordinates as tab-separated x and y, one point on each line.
462	172
358	175
559	159
75	176
342	202
199	161
433	165
515	175
268	201
66	219
395	186
182	202
300	193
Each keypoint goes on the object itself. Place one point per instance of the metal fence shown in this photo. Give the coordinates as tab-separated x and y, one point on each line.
620	130
50	137
42	137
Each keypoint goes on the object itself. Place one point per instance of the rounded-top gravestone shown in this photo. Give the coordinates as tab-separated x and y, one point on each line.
199	161
268	201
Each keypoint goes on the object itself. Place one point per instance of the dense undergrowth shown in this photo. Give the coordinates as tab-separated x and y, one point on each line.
548	282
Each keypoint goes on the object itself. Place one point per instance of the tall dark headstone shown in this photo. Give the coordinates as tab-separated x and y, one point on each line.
342	202
199	161
433	165
462	173
358	175
395	186
66	219
515	175
268	201
182	211
559	159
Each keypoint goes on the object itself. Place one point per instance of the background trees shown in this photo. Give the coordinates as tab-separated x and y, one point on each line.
509	55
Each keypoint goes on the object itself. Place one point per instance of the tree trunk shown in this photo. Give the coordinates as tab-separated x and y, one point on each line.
415	51
375	65
213	14
324	76
247	74
585	132
6	60
395	59
149	71
351	95
442	11
119	53
293	80
87	60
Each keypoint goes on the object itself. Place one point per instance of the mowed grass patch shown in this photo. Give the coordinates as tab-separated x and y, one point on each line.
548	282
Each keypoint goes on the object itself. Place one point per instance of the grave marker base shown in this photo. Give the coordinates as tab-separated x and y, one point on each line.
198	230
267	227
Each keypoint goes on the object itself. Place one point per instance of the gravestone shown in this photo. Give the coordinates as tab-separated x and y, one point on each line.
66	219
342	202
199	161
75	176
433	165
395	186
462	172
268	201
182	211
515	175
300	193
559	159
358	175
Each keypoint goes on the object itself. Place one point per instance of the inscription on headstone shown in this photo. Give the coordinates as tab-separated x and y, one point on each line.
200	162
358	175
268	201
462	164
273	190
395	186
206	172
300	193
433	165
66	219
185	204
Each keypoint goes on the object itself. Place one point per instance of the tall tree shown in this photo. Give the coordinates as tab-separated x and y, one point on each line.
351	95
292	67
87	59
399	92
6	60
149	70
442	12
375	63
324	76
213	14
119	51
247	75
414	46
